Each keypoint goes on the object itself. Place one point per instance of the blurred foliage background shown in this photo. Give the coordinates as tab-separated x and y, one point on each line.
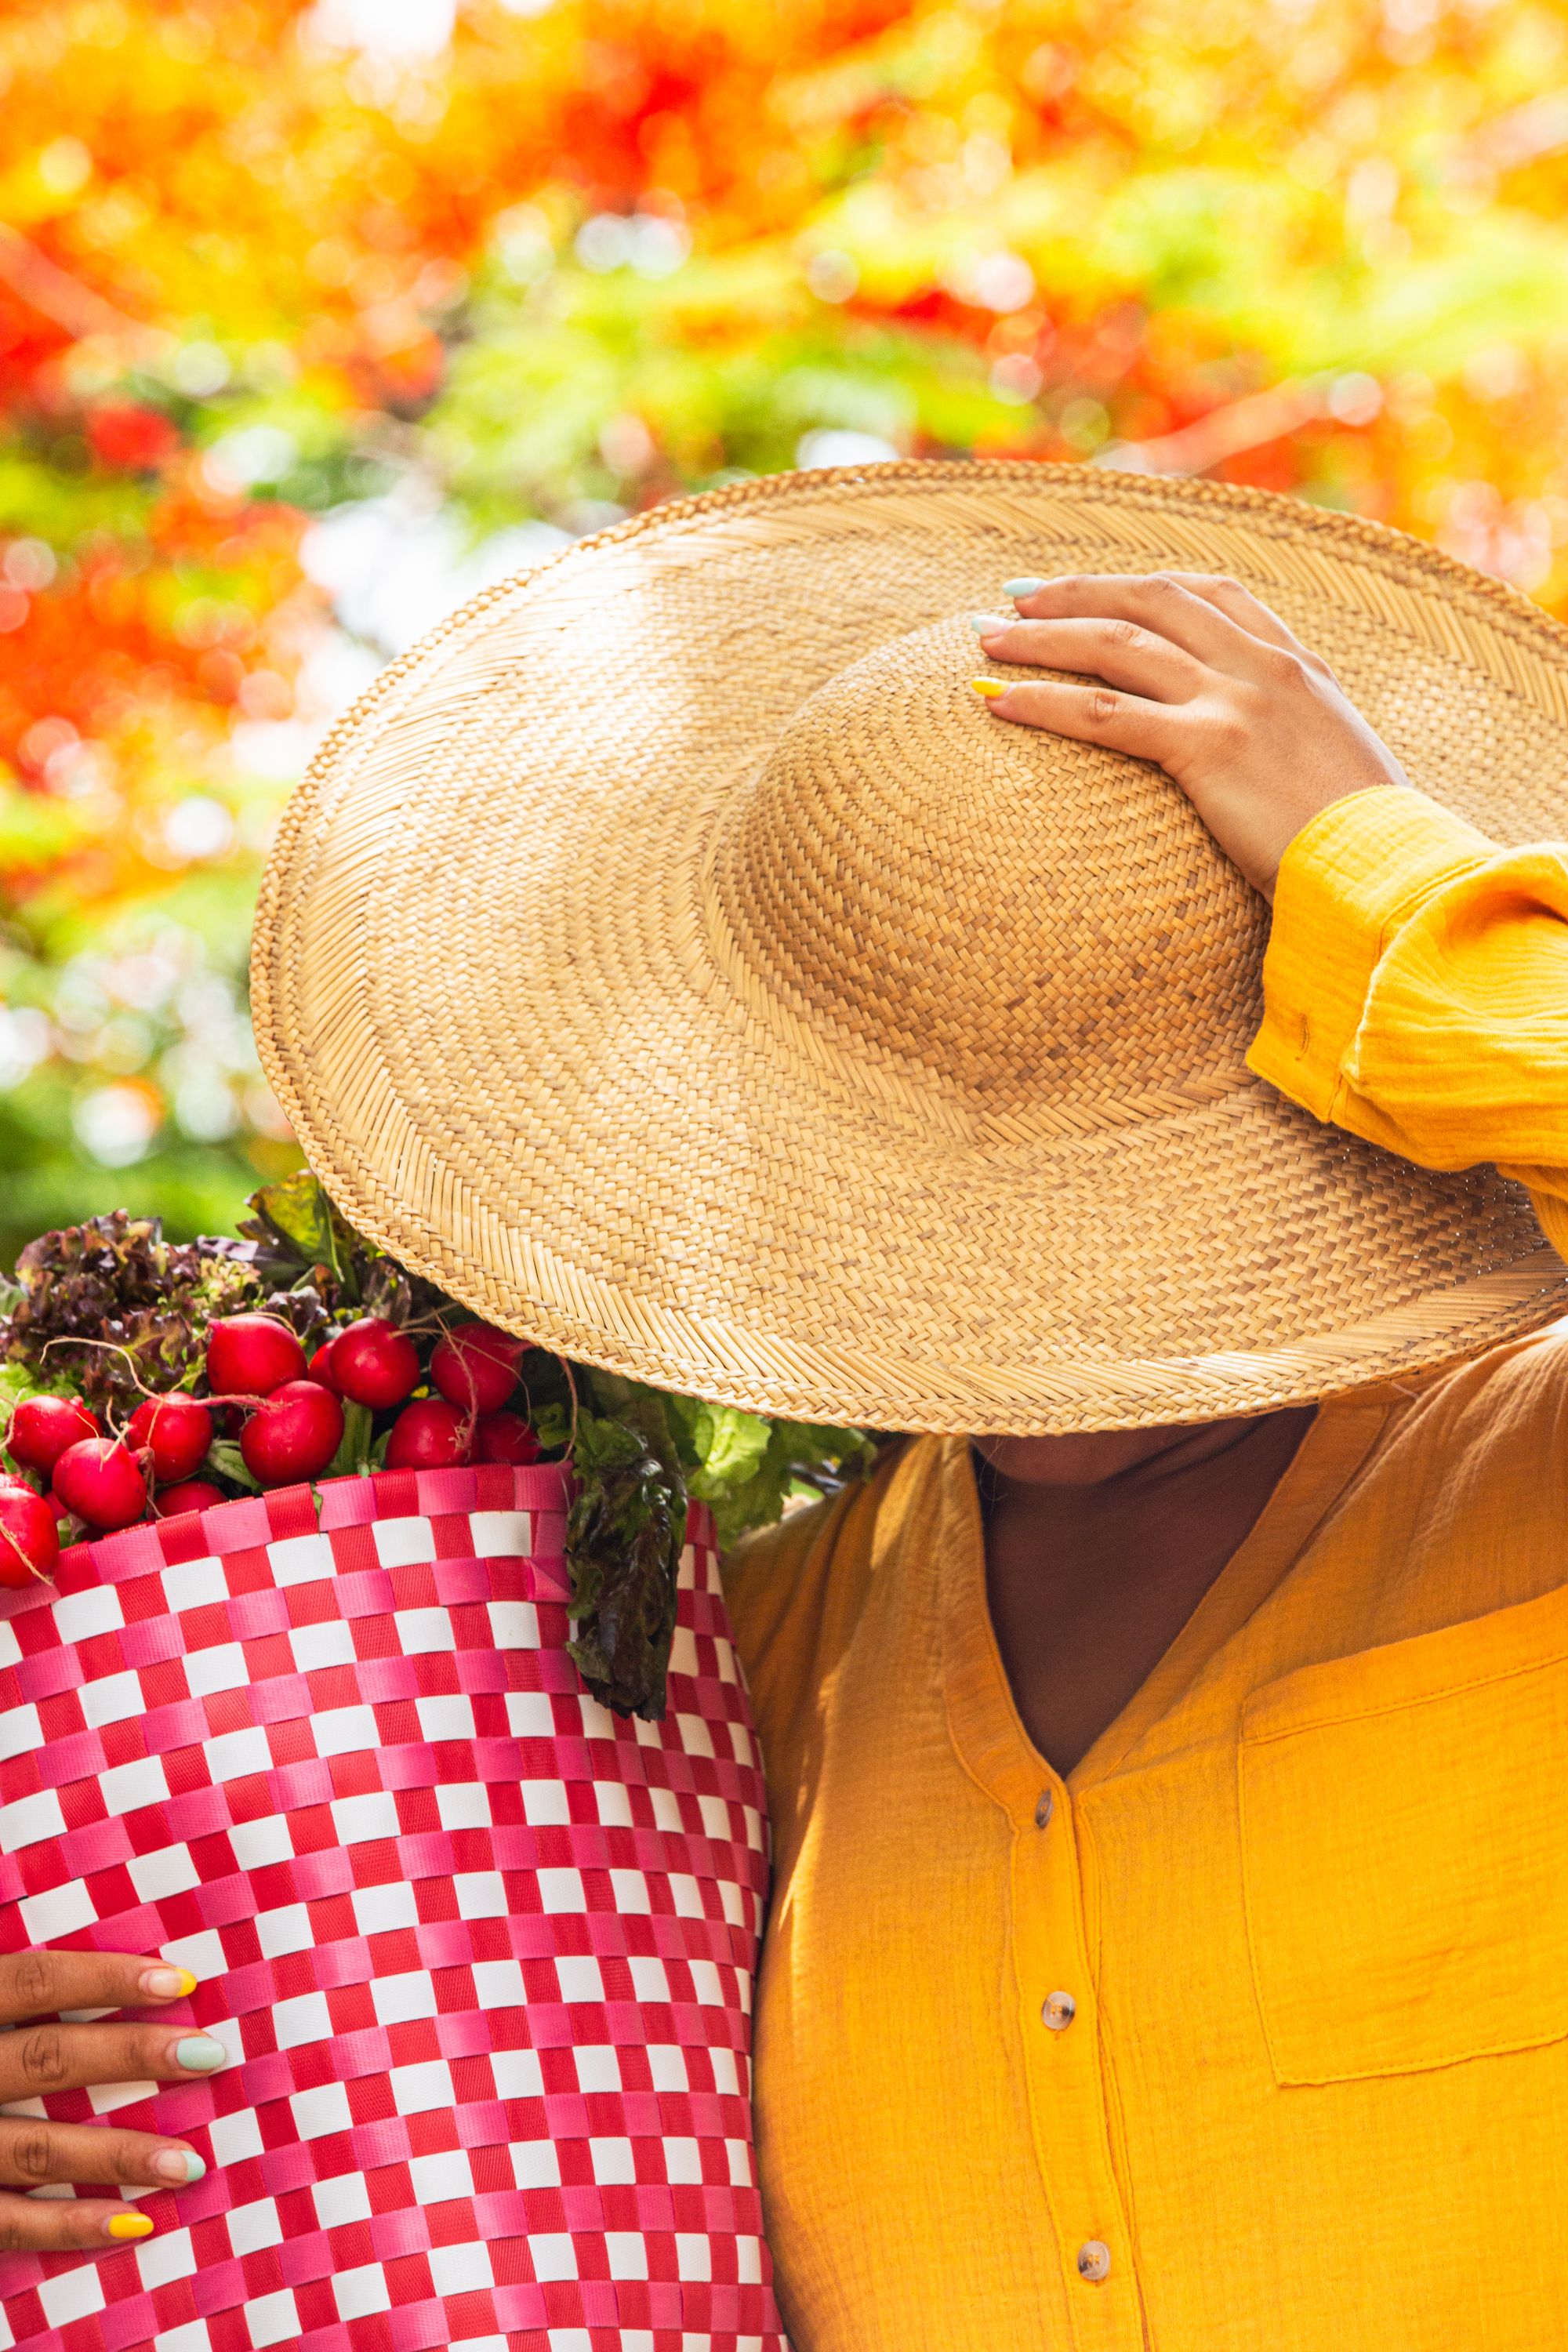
315	319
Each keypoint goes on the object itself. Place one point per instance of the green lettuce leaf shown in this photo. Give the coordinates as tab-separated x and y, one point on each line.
730	1446
299	1213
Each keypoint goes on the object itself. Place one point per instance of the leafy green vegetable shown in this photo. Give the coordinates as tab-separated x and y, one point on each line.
553	1426
623	1540
803	1462
117	1309
224	1456
301	1241
748	1470
298	1211
354	1447
19	1379
730	1446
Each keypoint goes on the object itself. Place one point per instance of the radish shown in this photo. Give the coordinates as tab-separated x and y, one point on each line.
428	1435
43	1426
176	1431
374	1363
98	1481
294	1434
190	1495
29	1545
319	1367
504	1437
251	1355
476	1366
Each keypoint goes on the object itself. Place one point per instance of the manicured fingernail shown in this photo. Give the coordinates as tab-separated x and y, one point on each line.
168	1984
1017	588
128	2225
985	625
179	2165
988	688
198	2053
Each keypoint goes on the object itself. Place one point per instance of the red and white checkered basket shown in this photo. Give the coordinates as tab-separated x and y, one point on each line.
481	1952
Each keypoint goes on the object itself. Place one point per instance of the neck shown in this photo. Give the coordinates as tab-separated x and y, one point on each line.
1123	1460
1098	1548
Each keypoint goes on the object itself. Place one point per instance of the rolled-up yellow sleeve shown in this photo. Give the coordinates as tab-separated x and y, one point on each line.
1416	991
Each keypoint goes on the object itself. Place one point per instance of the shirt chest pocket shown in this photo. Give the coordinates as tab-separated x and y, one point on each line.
1404	1844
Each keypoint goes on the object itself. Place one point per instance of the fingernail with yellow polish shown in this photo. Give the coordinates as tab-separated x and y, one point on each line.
128	2225
168	1984
988	688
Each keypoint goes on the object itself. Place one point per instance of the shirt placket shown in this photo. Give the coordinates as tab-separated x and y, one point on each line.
1058	2014
1058	2027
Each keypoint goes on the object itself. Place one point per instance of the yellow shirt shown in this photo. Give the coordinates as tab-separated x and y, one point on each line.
1308	1897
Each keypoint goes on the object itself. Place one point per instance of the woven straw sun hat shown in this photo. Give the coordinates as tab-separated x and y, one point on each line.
671	959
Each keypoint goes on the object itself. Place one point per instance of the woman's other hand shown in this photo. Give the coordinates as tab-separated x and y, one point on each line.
1192	672
45	2056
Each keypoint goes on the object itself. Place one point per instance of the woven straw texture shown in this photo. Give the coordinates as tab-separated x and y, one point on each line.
481	1953
672	958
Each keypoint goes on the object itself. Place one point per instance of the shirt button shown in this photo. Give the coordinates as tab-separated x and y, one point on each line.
1093	2259
1045	1809
1058	2011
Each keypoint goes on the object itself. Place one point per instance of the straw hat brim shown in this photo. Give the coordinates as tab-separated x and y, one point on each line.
488	998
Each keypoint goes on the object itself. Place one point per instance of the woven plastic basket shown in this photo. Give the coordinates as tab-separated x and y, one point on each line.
481	1952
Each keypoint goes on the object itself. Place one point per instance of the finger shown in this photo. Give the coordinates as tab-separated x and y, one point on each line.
38	1984
41	2058
1249	612
1120	652
1088	714
1158	602
34	2151
58	2225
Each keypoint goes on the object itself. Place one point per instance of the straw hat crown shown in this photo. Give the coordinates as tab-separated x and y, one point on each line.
1021	920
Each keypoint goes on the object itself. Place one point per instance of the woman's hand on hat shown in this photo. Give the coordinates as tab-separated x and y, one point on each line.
38	2057
1192	672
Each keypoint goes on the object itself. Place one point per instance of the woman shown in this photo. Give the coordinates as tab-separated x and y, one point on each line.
1020	2075
1168	1943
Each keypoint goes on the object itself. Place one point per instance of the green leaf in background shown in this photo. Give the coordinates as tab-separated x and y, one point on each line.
623	1539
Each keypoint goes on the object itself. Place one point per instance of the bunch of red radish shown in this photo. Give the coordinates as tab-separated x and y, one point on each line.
292	1428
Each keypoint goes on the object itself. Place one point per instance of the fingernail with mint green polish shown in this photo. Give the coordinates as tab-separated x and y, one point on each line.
985	625
1021	587
198	2053
180	2166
